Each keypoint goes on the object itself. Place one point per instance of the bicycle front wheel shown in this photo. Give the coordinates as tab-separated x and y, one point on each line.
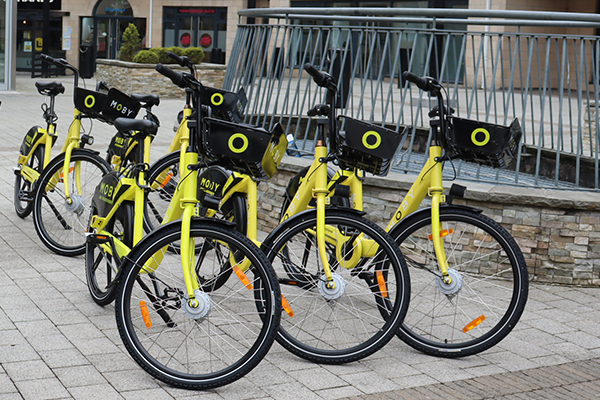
489	283
221	339
24	189
61	224
362	312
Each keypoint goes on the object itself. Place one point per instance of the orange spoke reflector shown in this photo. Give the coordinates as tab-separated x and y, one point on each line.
240	274
286	306
443	232
145	314
62	174
473	323
381	283
166	180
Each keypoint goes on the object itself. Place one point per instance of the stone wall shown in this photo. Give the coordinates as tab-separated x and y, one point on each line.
557	231
131	77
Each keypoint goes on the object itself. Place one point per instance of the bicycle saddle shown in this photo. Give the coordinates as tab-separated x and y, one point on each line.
50	88
149	100
143	126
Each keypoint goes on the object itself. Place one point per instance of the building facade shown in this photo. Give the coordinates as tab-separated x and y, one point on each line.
72	28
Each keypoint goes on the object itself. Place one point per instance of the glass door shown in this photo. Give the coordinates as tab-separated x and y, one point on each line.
103	38
109	36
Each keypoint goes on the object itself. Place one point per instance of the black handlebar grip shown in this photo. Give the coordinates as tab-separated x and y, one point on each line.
175	76
179	60
319	78
422	83
47	58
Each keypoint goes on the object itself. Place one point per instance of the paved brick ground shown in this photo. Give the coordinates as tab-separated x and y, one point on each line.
55	343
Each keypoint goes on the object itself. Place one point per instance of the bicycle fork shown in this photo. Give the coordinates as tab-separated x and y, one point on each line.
437	198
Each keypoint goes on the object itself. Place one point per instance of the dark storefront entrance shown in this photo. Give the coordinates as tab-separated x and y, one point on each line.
31	40
102	34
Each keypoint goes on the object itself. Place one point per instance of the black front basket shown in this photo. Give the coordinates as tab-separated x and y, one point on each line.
366	146
250	150
484	143
225	105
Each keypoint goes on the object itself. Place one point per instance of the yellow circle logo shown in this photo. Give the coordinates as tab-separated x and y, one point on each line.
244	145
217	99
366	143
478	142
89	101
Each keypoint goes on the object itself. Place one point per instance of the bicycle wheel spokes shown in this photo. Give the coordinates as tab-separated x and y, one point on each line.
487	294
349	321
61	224
201	347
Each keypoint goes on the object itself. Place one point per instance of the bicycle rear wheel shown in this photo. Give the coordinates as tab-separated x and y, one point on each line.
59	225
23	197
345	323
489	283
101	267
215	343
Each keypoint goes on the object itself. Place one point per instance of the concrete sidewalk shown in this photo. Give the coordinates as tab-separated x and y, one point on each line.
56	343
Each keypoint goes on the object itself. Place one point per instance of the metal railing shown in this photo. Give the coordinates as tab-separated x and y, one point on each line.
495	65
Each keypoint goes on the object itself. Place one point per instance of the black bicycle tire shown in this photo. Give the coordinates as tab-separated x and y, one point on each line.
105	296
519	287
78	155
270	296
280	237
23	212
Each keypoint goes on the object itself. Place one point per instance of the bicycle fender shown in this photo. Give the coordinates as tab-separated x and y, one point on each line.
89	151
292	222
425	212
34	134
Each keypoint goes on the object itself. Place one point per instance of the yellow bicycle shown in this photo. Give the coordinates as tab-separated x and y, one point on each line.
35	153
469	280
347	298
180	329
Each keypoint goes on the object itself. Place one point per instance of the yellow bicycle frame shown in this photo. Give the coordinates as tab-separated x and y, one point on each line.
428	183
135	193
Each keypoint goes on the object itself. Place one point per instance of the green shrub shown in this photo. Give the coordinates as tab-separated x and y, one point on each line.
196	54
131	43
177	50
146	57
161	53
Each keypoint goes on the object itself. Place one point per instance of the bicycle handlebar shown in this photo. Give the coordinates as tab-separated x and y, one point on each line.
321	78
175	76
61	62
184	61
424	83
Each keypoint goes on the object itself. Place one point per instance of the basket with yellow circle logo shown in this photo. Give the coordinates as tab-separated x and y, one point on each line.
366	146
105	106
247	149
225	105
90	103
484	143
